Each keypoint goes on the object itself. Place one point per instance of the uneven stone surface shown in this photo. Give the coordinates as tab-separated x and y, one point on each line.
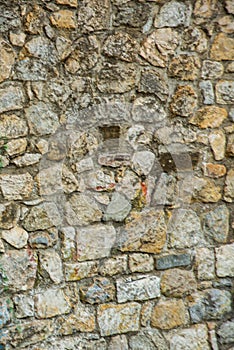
222	48
11	98
216	224
224	260
218	144
101	291
42	217
16	186
168	314
177	283
226	332
184	101
17	237
184	67
78	271
173	14
51	303
170	261
205	264
225	92
229	188
209	117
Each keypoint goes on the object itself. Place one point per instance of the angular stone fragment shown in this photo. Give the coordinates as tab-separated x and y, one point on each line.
82	320
154	82
34	20
11	98
5	314
30	69
41	48
99	292
229	186
184	229
63	19
211	70
147	110
42	120
194	338
16	147
226	24
16	186
207	92
205	190
225	92
133	288
72	3
169	314
94	15
118	342
222	48
95	242
214	170
183	101
131	14
121	46
141	262
216	224
205	264
177	283
17	39
173	14
50	264
173	260
9	215
12	126
78	271
194	39
42	217
19	270
114	266
209	117
218	144
142	162
27	159
210	305
158	45
185	67
229	6
43	239
24	306
7	60
68	246
50	303
17	237
117	77
230	145
115	319
225	261
166	190
144	232
118	209
151	339
77	341
226	331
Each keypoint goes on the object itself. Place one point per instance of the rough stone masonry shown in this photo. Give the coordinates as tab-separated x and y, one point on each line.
117	174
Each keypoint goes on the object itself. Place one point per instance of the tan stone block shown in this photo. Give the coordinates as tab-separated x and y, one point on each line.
17	39
230	145
169	314
183	101
214	170
51	303
217	141
177	283
16	186
15	147
7	59
185	67
83	320
63	19
222	48
72	3
204	8
229	186
209	117
207	191
17	237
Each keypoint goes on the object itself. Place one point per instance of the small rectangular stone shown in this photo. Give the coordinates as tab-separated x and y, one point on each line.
16	186
11	98
173	260
51	303
78	271
114	266
141	288
114	159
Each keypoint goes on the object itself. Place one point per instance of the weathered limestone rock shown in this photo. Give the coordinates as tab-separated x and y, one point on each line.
114	266
177	283
218	144
142	162
229	186
34	20
173	260
17	237
12	126
82	210
121	46
194	39
117	77
118	209
207	92
16	147
68	239
226	24
154	82
42	217
229	6
95	242
184	67
41	48
5	315
225	92
205	264
210	305
206	191
185	229
27	159
222	48
16	186
31	70
77	341
141	262
9	215
17	39
149	339
50	264
18	269
83	320
99	292
94	15
224	260
11	98
144	232
43	239
7	60
216	224
24	306
118	342
211	70
173	14
50	303
166	190
193	338
143	288
209	117
72	3
230	145
131	14
157	47
226	332
115	319
169	314
183	101
78	271
147	109
63	19
42	120
214	170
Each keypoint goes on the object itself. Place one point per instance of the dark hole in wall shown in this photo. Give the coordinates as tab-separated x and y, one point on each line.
176	162
110	132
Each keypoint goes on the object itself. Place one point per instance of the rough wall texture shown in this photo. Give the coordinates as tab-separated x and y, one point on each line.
117	181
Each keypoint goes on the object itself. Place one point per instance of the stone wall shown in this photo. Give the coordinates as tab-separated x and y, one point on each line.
117	176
